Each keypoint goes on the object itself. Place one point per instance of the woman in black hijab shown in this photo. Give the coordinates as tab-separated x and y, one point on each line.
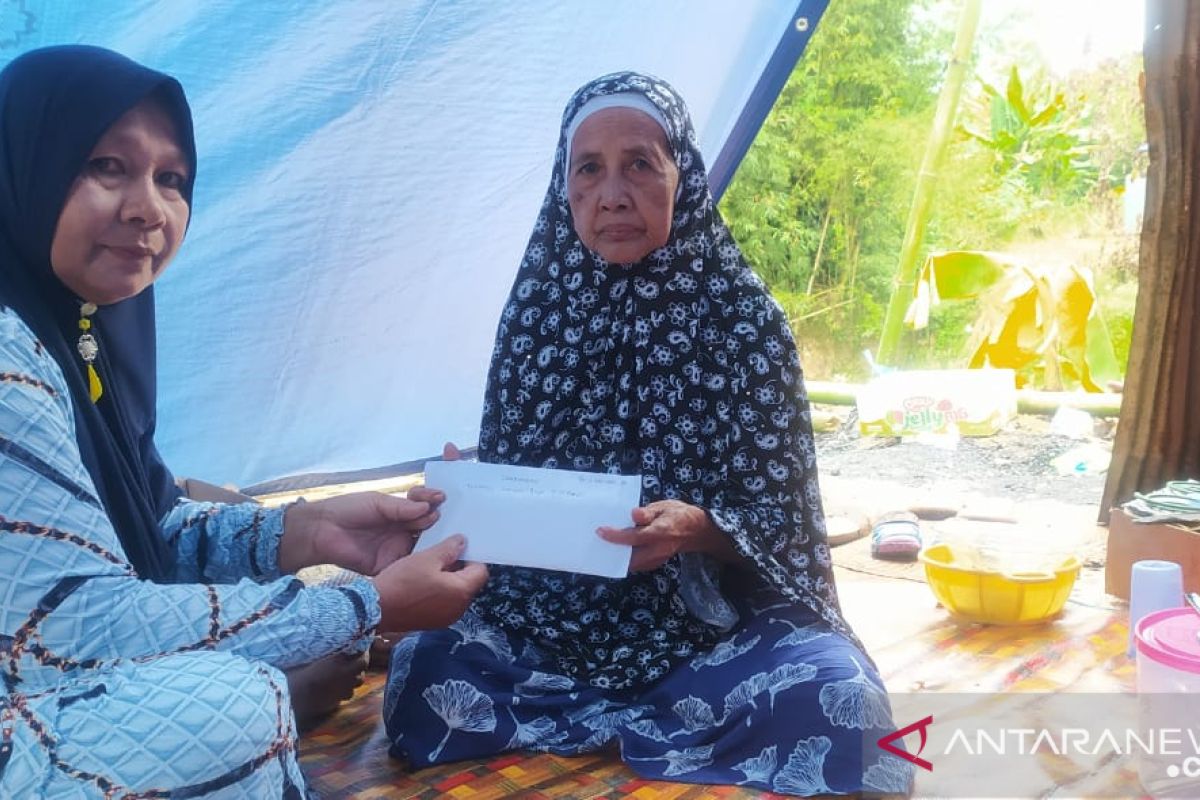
48	135
115	598
636	340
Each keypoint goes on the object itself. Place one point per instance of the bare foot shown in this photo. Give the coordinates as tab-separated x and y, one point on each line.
318	688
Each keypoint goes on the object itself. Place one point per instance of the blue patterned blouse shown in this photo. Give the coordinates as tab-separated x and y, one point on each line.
69	599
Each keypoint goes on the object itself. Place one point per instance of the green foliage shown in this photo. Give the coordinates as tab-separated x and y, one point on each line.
1119	124
944	341
1116	295
1041	321
820	201
1037	138
856	312
818	204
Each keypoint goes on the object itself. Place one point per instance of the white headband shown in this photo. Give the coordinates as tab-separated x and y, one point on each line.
619	100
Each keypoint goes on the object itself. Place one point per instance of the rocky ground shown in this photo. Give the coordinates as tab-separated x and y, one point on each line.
1018	463
1026	482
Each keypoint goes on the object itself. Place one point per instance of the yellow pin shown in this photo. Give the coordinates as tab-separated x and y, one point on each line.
88	349
94	387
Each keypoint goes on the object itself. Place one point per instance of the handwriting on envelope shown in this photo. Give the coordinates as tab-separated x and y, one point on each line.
530	517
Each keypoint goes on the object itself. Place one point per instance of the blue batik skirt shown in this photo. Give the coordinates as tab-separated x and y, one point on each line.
782	703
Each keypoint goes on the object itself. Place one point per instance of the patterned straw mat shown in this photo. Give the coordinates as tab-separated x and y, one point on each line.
917	646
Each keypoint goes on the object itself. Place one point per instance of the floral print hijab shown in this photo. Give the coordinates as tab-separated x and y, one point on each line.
681	369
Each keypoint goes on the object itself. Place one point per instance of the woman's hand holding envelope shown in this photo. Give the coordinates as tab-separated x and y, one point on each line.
363	532
373	534
428	590
664	528
426	494
660	529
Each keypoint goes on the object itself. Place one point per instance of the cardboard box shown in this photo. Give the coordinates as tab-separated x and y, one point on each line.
971	402
1130	541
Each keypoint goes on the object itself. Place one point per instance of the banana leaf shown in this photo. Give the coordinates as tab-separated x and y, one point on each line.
1030	318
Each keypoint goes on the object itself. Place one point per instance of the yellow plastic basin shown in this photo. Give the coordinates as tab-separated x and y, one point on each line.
997	598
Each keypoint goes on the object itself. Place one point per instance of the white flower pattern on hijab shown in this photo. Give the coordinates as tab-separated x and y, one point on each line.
682	369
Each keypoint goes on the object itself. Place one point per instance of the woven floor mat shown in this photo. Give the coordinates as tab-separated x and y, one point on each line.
346	757
916	644
856	556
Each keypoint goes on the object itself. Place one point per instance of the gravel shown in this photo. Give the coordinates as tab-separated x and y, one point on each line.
1016	463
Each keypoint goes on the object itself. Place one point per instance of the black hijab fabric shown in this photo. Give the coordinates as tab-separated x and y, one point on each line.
681	368
55	104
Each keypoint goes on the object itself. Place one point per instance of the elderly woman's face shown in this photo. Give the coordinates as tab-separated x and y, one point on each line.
125	215
621	185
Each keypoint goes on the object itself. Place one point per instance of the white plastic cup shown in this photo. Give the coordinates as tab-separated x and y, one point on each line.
1153	586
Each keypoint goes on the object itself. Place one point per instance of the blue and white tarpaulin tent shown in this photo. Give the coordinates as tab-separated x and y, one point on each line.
370	171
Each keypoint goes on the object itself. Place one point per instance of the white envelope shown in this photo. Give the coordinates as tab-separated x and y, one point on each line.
531	517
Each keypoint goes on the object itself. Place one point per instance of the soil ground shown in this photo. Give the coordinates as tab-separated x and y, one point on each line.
1018	463
1025	482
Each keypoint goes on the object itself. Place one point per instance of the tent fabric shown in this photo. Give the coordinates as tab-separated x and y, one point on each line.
369	174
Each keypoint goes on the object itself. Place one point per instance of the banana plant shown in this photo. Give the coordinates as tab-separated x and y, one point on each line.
1034	319
1036	136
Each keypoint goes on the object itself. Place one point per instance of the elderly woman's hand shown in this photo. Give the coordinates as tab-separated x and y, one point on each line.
664	528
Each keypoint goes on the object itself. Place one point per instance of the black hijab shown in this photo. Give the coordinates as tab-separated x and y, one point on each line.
55	104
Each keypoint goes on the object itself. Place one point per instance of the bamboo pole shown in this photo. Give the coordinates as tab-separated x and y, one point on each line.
1028	400
918	214
812	276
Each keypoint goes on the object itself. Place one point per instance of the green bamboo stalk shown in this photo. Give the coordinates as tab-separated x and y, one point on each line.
1029	401
918	214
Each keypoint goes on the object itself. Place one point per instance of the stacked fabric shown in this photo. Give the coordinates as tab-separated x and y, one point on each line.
1177	501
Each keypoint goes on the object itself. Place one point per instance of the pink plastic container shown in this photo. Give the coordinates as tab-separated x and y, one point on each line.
1168	663
1168	652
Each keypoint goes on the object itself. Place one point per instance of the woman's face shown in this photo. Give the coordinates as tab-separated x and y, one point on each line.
125	215
621	184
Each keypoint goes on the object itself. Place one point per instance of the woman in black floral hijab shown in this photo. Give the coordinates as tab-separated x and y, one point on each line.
636	340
